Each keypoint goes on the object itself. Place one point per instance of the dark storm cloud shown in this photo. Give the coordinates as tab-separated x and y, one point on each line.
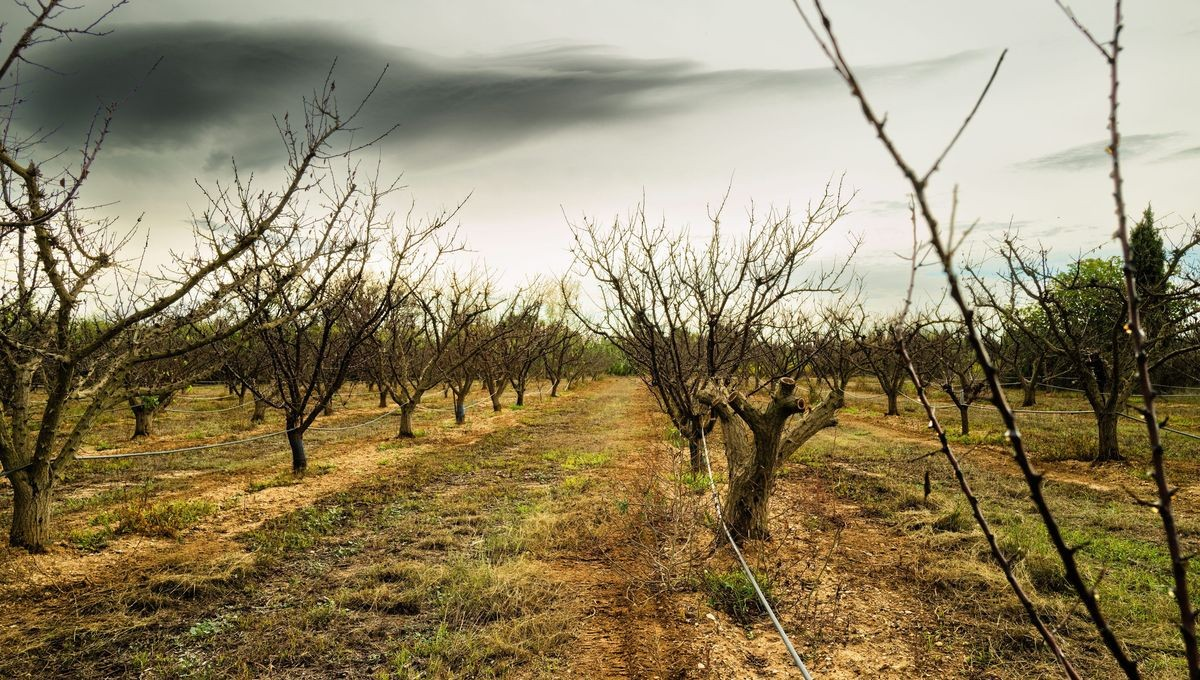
217	86
1095	154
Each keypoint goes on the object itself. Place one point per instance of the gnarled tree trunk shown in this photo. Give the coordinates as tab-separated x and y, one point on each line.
143	421
30	527
757	444
460	407
893	407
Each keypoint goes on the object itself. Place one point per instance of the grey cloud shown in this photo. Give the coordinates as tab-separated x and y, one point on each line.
218	84
1095	154
1183	155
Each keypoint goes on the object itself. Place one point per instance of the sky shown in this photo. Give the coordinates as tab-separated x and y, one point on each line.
546	112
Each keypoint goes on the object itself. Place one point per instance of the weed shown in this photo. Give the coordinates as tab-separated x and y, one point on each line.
165	518
733	593
93	540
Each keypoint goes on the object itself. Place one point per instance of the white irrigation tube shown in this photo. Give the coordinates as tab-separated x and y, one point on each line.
787	642
214	410
201	447
1163	427
220	398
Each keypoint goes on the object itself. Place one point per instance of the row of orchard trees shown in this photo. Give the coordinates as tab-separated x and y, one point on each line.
295	287
722	327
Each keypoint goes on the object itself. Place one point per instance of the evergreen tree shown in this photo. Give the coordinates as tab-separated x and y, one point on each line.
1149	259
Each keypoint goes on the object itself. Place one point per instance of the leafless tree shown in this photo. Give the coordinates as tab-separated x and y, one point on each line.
944	244
81	311
882	359
686	313
943	350
419	343
317	329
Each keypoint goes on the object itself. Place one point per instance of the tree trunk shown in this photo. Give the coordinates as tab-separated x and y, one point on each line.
520	396
30	527
746	502
964	416
893	408
383	397
241	395
1107	447
695	456
1028	393
295	438
143	421
406	428
260	411
554	387
460	408
493	393
328	410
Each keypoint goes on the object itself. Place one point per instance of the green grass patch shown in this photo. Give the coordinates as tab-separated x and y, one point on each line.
281	479
164	518
733	593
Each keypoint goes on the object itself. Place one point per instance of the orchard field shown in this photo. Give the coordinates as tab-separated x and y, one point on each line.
543	542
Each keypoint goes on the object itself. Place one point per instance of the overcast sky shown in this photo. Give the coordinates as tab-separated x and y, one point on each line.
545	111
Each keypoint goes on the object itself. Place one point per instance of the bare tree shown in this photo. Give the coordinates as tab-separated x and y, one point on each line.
685	314
80	310
419	339
943	350
944	245
317	331
882	359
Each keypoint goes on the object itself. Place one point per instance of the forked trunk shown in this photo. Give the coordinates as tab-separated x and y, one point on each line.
1108	448
520	396
893	408
494	392
695	456
554	387
30	527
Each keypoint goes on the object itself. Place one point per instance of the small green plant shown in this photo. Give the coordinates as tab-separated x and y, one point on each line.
698	482
210	627
733	593
573	484
93	540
